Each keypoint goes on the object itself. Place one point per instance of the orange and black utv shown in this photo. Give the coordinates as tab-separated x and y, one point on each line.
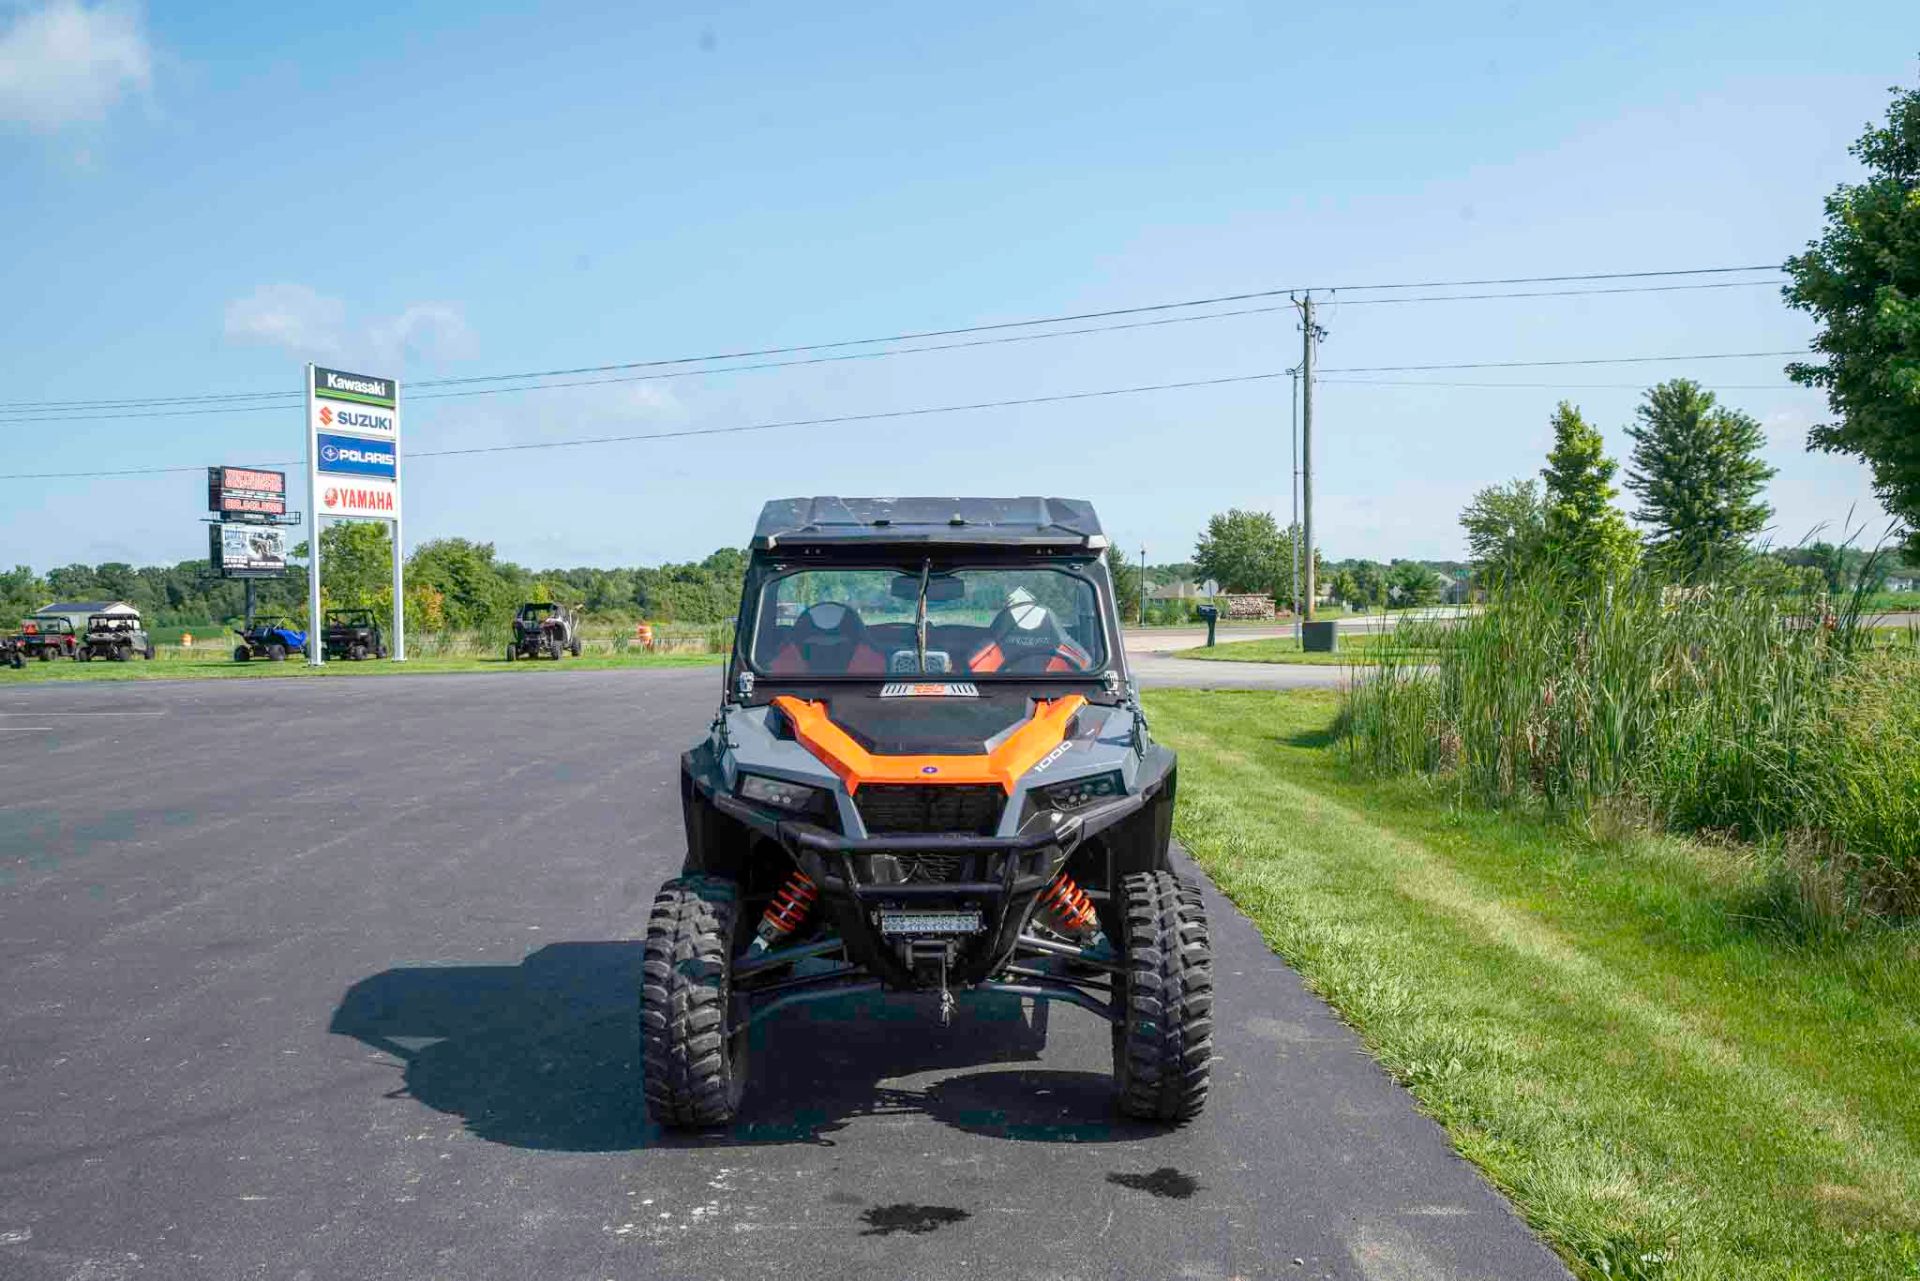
930	773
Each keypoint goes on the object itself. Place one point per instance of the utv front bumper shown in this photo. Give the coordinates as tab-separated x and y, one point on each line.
867	882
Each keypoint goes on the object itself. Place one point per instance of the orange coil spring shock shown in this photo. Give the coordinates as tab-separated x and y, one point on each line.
789	908
1068	904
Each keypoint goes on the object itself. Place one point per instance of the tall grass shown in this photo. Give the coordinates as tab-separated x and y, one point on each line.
1732	710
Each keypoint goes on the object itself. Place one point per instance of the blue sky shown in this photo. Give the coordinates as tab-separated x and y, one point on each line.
199	198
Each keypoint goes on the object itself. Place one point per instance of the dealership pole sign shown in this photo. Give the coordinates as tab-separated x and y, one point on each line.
353	470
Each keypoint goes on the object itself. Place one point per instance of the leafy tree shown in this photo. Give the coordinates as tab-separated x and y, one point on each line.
356	564
1244	551
1248	551
1585	532
21	592
1344	587
1506	528
1861	282
1410	583
476	591
1369	584
1696	467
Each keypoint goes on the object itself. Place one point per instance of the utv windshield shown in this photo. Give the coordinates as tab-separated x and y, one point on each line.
919	620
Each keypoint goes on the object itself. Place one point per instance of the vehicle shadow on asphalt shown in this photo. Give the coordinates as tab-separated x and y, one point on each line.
544	1054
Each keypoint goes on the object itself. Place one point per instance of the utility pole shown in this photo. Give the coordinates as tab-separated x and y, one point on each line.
1143	584
1308	335
1293	491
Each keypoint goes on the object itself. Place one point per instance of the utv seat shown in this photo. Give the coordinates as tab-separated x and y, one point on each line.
829	639
1026	637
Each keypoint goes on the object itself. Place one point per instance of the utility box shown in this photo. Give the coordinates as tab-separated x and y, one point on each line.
1319	638
1212	615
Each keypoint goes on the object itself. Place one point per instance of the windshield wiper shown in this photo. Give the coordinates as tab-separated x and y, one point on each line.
920	619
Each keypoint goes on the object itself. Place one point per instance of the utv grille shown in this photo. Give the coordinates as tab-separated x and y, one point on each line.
889	808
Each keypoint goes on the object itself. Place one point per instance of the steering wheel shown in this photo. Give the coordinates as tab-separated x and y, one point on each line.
1036	661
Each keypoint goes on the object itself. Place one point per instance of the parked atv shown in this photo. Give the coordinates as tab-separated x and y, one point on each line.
47	638
541	630
929	773
115	637
271	637
352	633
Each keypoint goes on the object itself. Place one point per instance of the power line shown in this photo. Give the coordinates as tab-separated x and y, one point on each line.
1556	364
1429	382
292	398
598	382
938	409
1556	293
1182	304
577	442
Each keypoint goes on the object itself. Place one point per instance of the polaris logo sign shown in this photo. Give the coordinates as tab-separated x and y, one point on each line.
356	456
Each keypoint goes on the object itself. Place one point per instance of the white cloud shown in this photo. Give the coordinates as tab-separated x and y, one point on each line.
434	330
67	63
304	321
314	326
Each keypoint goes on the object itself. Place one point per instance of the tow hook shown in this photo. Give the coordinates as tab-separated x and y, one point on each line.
946	996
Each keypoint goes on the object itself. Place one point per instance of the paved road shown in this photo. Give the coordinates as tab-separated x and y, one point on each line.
335	980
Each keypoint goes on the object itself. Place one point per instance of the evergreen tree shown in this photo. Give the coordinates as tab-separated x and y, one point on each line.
1697	470
1585	532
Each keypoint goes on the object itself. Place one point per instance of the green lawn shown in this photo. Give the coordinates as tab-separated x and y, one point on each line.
219	665
1622	1031
1285	649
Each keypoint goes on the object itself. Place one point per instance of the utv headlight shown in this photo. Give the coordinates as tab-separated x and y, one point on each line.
1082	792
781	794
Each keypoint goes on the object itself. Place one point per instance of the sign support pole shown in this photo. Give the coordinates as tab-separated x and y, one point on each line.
315	650
399	620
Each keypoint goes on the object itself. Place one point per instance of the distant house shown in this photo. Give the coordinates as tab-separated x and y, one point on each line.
78	611
1175	591
1903	582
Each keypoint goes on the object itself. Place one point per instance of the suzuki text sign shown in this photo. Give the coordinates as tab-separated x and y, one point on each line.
379	424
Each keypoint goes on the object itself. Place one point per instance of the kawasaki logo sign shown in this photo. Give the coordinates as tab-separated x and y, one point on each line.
362	389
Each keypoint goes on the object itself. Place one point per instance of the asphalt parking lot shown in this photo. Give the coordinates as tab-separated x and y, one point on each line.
336	979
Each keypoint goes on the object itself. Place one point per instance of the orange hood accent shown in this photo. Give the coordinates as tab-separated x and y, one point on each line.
1039	734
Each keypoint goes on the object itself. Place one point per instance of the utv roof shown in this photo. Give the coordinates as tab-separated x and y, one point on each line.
1065	523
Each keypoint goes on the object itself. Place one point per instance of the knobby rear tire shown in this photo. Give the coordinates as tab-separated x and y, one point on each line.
693	1058
1163	1043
